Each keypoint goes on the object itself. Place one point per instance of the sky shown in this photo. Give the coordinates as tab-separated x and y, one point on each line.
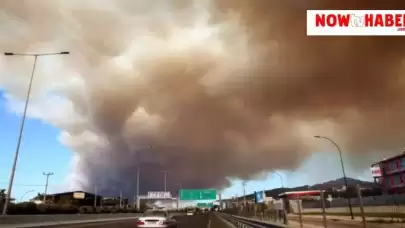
42	152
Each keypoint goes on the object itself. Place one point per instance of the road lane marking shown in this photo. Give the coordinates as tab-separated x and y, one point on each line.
209	221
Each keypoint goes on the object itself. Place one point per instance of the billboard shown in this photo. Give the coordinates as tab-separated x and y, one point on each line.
79	195
159	195
376	171
259	197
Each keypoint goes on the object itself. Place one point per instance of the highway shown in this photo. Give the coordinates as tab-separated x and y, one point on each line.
195	221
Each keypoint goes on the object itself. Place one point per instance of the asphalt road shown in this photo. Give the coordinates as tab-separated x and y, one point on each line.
195	221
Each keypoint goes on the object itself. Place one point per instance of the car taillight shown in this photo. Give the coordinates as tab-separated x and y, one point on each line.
164	222
140	223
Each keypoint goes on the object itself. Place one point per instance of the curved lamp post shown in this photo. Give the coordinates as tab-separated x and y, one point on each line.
343	169
25	194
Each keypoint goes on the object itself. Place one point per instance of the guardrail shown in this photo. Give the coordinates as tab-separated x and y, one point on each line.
238	221
31	219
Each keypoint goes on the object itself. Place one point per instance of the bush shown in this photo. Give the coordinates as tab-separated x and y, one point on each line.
23	208
86	210
57	209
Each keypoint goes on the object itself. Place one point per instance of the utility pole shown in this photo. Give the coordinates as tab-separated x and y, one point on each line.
165	178
120	199
95	196
138	170
46	184
244	194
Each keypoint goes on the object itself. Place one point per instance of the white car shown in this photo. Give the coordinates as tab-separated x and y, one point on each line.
190	212
156	219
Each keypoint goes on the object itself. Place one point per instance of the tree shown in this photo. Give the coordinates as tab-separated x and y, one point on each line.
2	197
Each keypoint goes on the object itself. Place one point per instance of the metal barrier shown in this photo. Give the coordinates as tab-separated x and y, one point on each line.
242	222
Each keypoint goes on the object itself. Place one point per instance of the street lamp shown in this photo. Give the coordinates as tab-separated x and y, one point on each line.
17	151
281	178
165	180
343	169
25	194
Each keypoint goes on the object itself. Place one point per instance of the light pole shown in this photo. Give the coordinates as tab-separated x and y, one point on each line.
281	178
244	194
138	173
165	178
17	151
46	184
95	196
138	170
25	194
343	170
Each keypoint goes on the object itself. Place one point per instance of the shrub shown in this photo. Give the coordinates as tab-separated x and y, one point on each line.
23	208
86	209
57	209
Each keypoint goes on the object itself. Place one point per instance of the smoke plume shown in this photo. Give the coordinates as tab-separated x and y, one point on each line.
206	90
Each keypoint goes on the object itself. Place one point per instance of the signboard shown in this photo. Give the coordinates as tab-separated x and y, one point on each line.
79	195
198	194
205	204
376	171
260	197
159	195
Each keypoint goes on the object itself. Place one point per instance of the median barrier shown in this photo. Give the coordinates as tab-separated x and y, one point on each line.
38	219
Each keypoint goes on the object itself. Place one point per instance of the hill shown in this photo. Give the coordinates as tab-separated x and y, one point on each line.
332	184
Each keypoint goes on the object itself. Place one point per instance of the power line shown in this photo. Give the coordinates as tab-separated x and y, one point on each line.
29	185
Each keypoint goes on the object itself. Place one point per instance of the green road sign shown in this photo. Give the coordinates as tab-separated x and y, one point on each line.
205	204
198	194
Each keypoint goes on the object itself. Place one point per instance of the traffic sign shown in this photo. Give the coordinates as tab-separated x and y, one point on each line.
205	204
198	194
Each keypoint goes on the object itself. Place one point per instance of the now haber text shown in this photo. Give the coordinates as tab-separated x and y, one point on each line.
364	20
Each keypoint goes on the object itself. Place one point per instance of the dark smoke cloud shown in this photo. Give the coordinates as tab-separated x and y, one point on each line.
242	82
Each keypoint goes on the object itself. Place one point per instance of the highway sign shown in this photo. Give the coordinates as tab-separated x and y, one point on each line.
205	204
198	194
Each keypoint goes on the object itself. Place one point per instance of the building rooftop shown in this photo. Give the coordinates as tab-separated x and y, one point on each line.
390	158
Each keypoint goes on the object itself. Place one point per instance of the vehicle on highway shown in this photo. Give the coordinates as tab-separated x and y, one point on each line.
156	218
190	212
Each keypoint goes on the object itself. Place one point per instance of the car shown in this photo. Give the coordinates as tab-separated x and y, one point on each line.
190	212
156	219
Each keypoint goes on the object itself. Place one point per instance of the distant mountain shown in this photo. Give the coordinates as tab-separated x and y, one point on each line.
339	183
332	184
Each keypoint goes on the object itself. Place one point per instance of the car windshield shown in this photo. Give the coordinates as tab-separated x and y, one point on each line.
155	213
